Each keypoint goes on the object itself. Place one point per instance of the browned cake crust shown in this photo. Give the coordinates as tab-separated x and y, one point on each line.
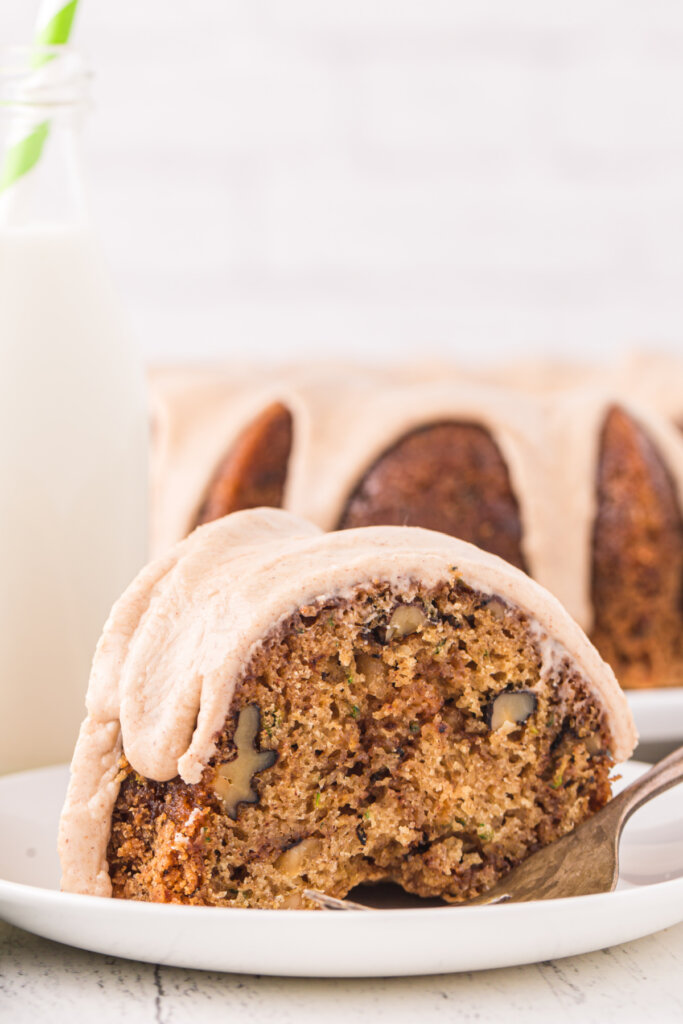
449	477
254	471
637	559
384	746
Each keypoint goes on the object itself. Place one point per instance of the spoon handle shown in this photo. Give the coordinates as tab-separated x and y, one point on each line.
666	773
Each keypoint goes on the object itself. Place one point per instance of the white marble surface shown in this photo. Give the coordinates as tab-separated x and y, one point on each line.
43	981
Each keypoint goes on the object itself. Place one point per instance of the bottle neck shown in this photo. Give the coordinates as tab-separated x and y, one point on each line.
42	111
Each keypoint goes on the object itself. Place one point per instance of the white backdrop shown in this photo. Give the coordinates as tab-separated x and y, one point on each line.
274	177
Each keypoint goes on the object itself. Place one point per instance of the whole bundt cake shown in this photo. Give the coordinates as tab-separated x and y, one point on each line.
579	486
273	708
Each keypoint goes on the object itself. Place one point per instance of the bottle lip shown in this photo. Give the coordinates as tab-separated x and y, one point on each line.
43	76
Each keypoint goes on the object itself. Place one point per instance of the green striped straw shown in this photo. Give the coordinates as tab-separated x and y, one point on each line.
53	28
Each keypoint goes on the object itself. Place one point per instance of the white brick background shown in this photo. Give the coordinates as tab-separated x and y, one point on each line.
388	175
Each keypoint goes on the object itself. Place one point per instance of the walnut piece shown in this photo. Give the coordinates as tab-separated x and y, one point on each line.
375	673
233	782
594	744
297	860
511	706
406	619
497	608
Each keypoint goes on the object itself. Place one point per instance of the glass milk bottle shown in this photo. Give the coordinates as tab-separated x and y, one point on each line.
73	425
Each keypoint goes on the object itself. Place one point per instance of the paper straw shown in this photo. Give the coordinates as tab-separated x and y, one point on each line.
53	28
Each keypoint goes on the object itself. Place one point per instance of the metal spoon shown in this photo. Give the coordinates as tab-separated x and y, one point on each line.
331	902
583	862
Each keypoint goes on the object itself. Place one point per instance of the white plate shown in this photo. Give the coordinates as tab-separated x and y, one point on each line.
658	713
430	940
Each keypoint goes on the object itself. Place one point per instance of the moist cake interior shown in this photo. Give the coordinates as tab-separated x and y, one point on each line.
433	738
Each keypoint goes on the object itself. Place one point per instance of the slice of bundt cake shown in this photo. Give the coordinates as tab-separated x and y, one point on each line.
272	707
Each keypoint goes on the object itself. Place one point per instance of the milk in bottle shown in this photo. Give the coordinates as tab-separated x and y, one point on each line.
73	445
